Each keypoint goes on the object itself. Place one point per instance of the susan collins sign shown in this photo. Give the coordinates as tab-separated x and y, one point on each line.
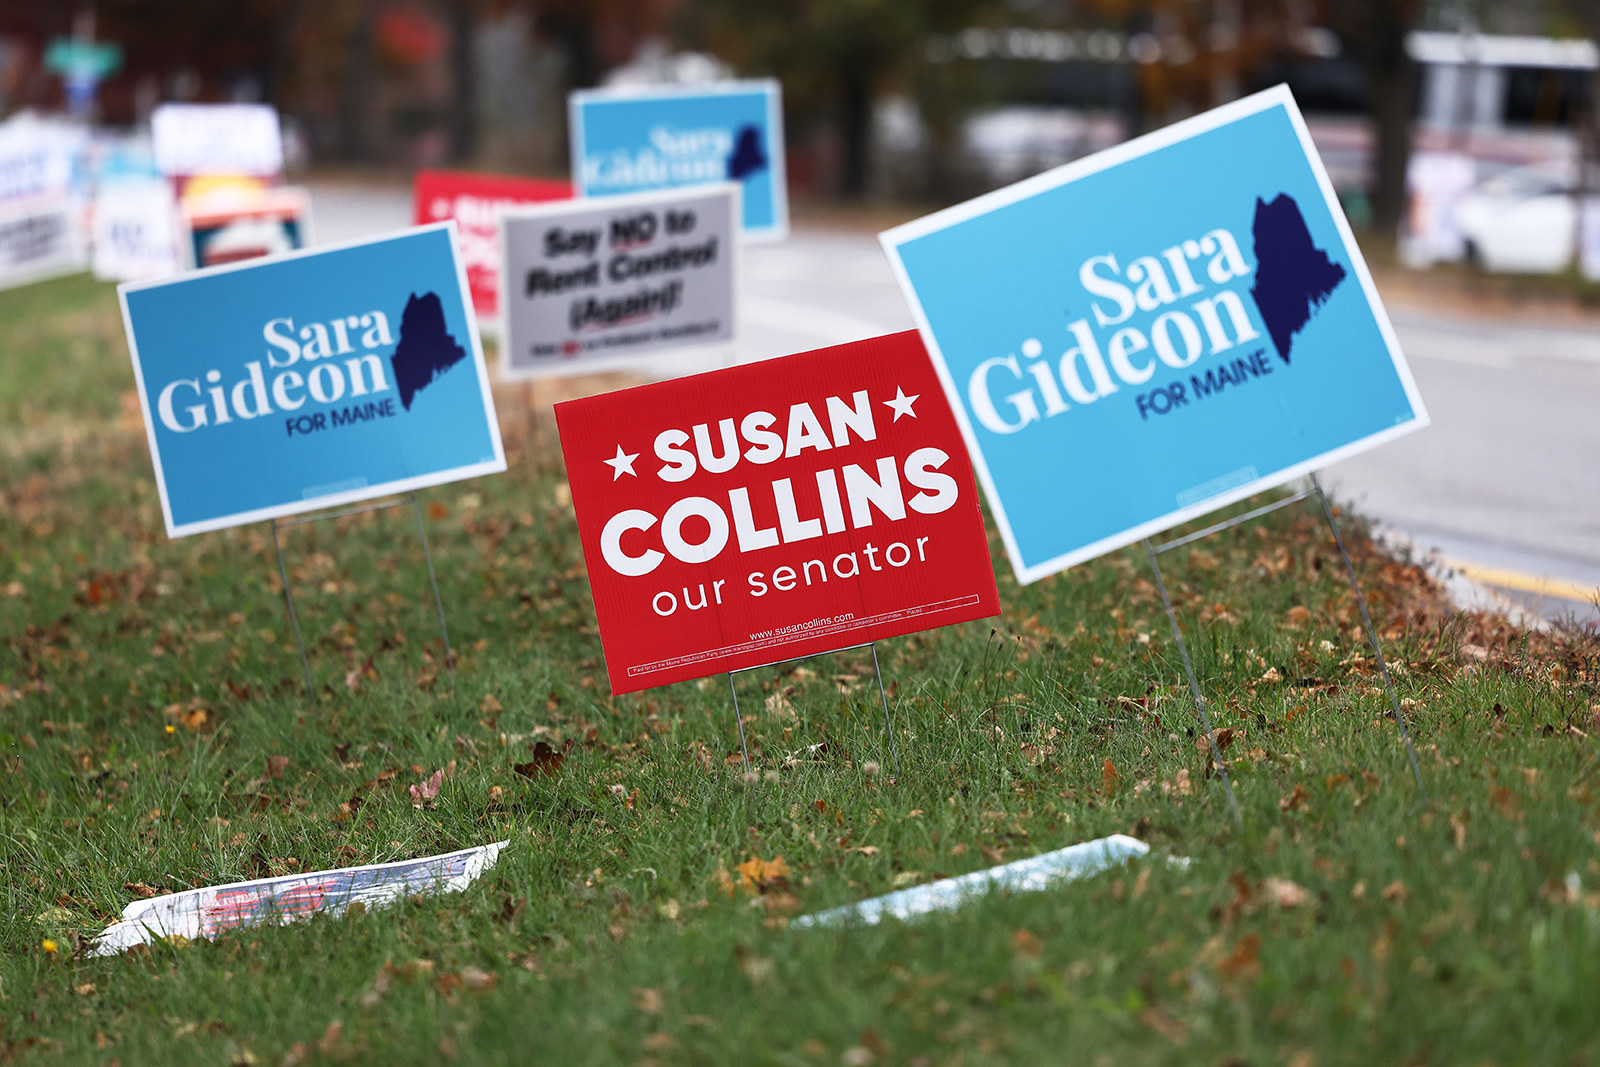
284	385
779	509
590	283
629	141
1147	334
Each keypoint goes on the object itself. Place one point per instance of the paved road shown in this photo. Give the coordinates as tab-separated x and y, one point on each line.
1506	481
1508	476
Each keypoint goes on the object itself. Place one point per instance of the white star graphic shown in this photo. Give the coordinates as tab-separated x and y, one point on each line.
902	403
623	464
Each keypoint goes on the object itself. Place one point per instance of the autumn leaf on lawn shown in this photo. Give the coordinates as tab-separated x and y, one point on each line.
276	765
1505	801
1243	961
1285	893
756	968
547	760
779	706
1293	801
420	794
1027	944
191	717
478	980
1109	777
1164	1024
758	876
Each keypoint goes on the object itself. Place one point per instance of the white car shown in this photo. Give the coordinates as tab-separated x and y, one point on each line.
1523	220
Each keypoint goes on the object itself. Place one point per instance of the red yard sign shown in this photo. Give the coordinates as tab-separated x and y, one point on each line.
472	200
775	510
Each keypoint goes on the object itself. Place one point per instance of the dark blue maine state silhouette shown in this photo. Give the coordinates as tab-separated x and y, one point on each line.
426	349
748	154
1294	277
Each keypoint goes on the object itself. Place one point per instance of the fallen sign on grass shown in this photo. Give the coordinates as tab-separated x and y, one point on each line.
209	911
1022	876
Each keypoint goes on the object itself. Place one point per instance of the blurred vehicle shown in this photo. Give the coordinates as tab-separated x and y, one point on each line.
1523	220
1014	142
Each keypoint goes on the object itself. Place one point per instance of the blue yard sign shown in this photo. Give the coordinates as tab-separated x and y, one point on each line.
284	385
1150	333
628	141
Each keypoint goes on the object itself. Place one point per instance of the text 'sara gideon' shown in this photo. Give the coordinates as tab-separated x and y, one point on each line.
284	385
1153	332
781	509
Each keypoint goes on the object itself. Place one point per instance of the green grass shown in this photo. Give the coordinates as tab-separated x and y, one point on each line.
615	927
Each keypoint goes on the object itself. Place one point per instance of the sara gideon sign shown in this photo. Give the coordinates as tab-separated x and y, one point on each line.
590	283
629	141
1150	333
780	509
279	386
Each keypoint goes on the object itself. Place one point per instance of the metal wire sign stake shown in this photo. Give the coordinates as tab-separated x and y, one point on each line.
427	552
1153	551
744	749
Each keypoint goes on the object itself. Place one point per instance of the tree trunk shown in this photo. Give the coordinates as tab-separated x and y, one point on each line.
355	92
463	84
1391	77
857	130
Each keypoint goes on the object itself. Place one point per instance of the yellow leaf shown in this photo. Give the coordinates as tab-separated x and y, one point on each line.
757	874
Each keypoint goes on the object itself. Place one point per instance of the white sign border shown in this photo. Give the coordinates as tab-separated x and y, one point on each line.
496	465
725	353
1257	103
771	87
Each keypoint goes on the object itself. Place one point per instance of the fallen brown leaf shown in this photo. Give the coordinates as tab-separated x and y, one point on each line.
758	876
780	707
478	980
1285	893
1244	960
1295	800
1165	1025
328	1044
421	794
756	968
547	760
1027	943
1109	777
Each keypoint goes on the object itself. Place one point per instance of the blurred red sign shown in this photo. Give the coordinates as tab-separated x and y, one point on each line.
472	200
781	509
